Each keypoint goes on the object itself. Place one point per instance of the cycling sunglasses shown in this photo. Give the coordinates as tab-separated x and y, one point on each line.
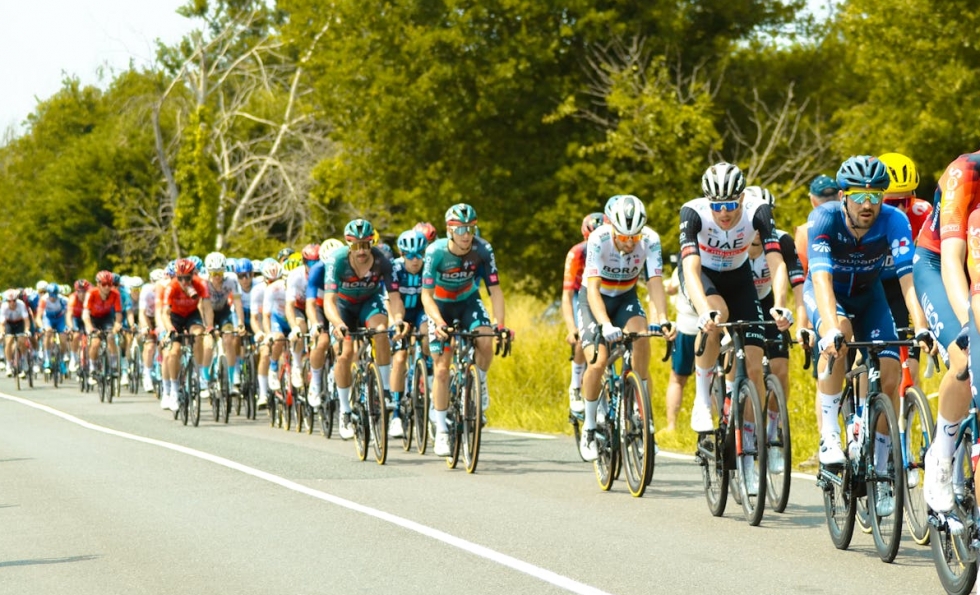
728	205
859	197
183	278
626	239
902	203
354	247
412	255
462	230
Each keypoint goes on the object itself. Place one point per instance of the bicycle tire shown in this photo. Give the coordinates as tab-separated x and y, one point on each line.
420	405
377	413
55	365
753	505
919	428
195	395
272	406
224	386
16	372
472	417
886	528
288	402
327	411
453	418
184	397
135	367
712	455
635	440
359	413
214	389
778	483
605	465
247	386
954	558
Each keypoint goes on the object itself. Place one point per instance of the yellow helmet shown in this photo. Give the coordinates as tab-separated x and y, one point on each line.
293	261
902	175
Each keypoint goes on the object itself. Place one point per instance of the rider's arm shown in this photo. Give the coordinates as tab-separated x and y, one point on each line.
207	312
657	300
236	301
823	292
692	283
497	303
954	279
596	305
566	311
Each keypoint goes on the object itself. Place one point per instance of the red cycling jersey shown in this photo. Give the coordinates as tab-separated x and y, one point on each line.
574	267
100	308
76	305
973	251
958	194
179	301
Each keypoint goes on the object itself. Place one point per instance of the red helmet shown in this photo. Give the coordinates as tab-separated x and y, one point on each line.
103	277
427	229
185	267
591	221
82	285
311	252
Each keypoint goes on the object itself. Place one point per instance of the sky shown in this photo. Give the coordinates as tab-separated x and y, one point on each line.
42	41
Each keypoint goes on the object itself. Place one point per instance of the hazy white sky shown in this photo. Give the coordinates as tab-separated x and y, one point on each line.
41	41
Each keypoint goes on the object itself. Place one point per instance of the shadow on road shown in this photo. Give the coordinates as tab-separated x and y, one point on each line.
35	561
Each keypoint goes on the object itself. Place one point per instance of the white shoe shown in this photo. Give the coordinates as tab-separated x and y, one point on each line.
204	392
587	446
776	461
485	397
262	401
346	427
575	401
9	373
749	475
274	382
313	398
831	453
442	444
701	418
395	429
73	366
174	401
147	384
91	380
885	500
124	379
165	401
938	482
314	390
37	369
296	375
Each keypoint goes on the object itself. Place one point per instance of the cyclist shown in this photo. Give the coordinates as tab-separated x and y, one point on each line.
682	356
715	234
314	312
296	287
616	255
407	272
14	314
354	281
275	325
427	229
244	272
102	311
186	308
228	315
450	292
943	288
147	319
76	303
51	315
848	244
270	271
571	284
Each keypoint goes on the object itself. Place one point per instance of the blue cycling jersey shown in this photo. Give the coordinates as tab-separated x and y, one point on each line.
314	282
856	264
409	284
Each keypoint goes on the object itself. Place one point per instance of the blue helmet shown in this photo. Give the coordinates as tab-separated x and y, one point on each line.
386	250
243	266
171	270
412	241
863	171
198	263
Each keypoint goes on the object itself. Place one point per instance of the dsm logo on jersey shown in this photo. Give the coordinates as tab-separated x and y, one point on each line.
821	248
901	246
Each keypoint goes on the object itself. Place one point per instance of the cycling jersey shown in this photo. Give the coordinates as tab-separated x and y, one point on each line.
296	286
125	299
918	214
148	303
760	266
314	283
52	308
454	277
725	250
274	299
855	264
222	295
340	277
15	314
257	296
183	302
574	267
957	195
98	307
973	252
618	272
76	303
409	285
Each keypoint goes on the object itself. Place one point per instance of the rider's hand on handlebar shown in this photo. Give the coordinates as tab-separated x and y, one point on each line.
572	338
340	331
706	322
926	340
804	336
783	317
611	333
827	345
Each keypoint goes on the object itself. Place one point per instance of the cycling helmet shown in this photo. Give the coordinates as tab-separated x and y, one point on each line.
257	266
722	181
132	282
386	250
330	244
760	193
156	275
427	229
902	174
10	295
52	289
461	214
185	267
628	216
82	285
243	266
230	265
411	241
359	230
65	289
284	253
271	270
311	252
215	262
116	280
591	221
863	171
171	270
198	263
104	278
41	286
295	260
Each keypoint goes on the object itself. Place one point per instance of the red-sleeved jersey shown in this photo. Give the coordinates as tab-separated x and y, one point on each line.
957	195
574	267
76	305
179	301
100	308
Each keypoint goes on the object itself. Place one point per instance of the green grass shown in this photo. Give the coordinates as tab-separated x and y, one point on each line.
529	389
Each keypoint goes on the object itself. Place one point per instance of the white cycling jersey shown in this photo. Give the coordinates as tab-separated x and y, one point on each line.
725	250
274	300
619	272
257	296
148	301
15	314
221	296
53	306
296	287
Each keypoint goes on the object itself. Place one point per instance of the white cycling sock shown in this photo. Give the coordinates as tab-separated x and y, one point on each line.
829	406
702	386
439	417
577	371
883	445
385	376
591	409
748	435
344	395
264	385
945	440
317	375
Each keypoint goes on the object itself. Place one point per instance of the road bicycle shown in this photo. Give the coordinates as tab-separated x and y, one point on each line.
413	408
219	386
135	355
23	359
188	382
368	412
249	378
624	434
104	371
874	468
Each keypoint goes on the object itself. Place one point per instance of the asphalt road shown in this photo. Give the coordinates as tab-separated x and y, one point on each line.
104	499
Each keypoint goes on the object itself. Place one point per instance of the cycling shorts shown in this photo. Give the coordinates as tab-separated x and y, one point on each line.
53	323
183	324
682	358
737	288
471	309
929	288
869	319
620	308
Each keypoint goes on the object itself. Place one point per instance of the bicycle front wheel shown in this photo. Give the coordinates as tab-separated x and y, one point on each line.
420	405
711	453
779	446
886	478
359	416
636	442
377	413
919	427
751	449
472	417
607	464
952	552
194	396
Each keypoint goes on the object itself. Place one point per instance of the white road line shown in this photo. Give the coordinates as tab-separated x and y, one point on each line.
494	556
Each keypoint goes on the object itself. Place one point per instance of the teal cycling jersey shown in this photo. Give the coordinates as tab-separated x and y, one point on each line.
454	277
341	279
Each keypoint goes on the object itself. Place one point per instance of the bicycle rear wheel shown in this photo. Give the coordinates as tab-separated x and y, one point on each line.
955	559
327	412
780	448
287	401
919	427
607	464
711	453
472	418
752	460
420	405
359	414
17	367
886	477
224	389
377	413
194	396
635	439
454	417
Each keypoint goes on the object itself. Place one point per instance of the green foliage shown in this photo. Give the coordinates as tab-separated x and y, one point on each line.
199	192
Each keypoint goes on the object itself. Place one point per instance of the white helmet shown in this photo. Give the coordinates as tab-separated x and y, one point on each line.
760	193
41	286
215	262
132	282
327	246
627	215
722	181
156	275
